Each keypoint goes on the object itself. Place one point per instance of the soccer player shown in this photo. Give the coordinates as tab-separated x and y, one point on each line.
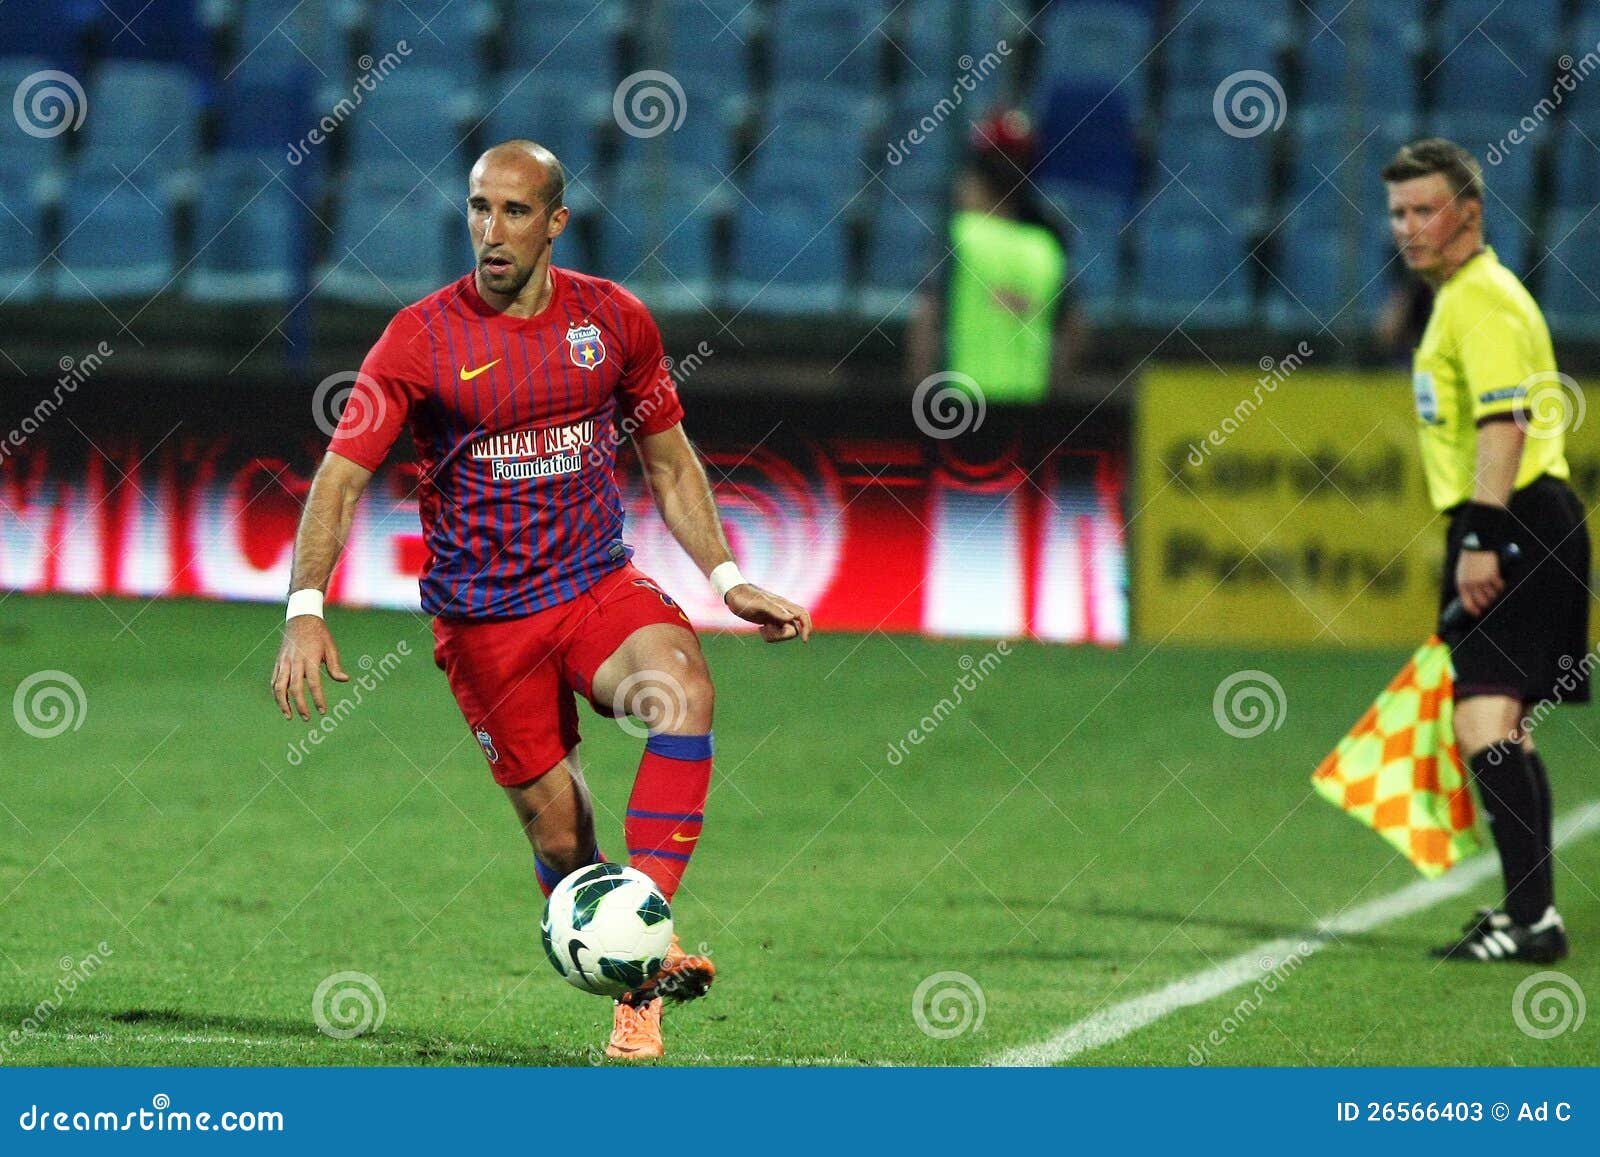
518	381
1516	548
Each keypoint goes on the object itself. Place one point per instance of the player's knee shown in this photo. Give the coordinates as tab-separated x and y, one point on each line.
676	698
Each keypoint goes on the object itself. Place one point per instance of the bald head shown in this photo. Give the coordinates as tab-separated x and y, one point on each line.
528	163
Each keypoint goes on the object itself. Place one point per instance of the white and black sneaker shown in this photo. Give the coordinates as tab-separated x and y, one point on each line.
1493	936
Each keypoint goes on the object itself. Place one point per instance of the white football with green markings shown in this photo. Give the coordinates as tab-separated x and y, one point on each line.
606	929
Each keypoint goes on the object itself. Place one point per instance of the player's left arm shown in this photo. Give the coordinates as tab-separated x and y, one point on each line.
682	494
1496	362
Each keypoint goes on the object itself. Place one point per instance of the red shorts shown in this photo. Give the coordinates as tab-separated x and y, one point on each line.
514	678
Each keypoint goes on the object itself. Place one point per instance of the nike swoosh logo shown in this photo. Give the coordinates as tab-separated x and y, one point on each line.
467	375
679	838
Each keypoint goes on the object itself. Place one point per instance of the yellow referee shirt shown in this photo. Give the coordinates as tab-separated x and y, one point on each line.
1486	352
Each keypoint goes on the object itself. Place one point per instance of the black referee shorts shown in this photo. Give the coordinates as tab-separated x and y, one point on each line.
1533	643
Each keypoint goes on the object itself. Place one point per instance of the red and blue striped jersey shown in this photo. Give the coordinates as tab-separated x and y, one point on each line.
517	422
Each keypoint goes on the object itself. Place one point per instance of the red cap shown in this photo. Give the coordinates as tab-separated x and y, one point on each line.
1007	131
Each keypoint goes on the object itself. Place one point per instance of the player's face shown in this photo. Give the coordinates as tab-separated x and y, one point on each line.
511	229
1425	218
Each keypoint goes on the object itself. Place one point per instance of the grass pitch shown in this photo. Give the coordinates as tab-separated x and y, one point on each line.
1077	832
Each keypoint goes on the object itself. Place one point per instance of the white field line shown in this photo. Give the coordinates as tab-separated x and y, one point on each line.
1119	1020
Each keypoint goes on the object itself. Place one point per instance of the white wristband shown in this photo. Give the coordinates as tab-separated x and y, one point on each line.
304	602
725	577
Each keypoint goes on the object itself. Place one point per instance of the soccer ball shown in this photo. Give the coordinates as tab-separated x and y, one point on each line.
606	929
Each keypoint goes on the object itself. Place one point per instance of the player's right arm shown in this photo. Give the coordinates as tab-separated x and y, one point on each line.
324	526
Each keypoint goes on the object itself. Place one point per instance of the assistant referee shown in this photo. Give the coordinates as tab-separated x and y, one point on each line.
1490	416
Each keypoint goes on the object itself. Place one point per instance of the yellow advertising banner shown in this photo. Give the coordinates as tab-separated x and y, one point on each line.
1285	504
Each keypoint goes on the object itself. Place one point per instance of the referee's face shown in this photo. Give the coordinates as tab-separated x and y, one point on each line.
1426	220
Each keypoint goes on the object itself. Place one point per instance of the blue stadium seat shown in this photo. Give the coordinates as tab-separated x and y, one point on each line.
829	42
1226	174
924	36
708	43
276	41
789	256
1189	270
1216	40
22	237
396	239
1086	137
1092	226
1577	161
249	239
554	108
808	130
144	115
704	136
1495	67
416	115
908	242
1510	183
1349	69
166	30
1567	286
445	34
117	241
23	150
1326	274
563	36
1099	41
657	236
58	39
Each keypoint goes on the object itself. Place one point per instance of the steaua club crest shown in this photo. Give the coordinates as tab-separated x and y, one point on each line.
585	347
487	744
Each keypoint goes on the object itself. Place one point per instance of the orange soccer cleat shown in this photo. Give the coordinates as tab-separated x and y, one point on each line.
636	1029
683	976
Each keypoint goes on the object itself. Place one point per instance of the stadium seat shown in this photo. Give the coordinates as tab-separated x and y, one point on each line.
59	39
1098	41
144	116
1189	270
1086	137
924	39
249	235
38	151
908	241
568	37
22	237
310	41
1577	161
552	107
829	42
1226	174
1320	276
1495	67
788	256
1567	285
166	30
807	137
417	115
703	136
1216	40
708	43
117	240
262	118
445	34
1361	68
396	239
657	236
1092	224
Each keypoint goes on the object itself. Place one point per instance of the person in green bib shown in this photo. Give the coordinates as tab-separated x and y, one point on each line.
1005	323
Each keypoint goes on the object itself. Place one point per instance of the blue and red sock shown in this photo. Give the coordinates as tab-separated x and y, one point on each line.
549	877
667	806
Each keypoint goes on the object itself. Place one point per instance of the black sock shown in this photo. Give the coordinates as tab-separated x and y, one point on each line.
1541	784
1509	795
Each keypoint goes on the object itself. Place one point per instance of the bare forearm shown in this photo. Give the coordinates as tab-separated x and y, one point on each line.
325	523
683	496
1499	459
